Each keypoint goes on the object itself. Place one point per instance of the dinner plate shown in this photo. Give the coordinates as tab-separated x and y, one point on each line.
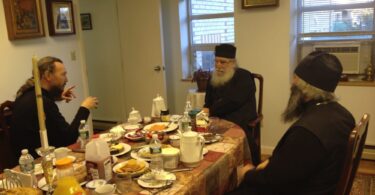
133	174
131	127
127	148
163	179
108	137
130	136
170	126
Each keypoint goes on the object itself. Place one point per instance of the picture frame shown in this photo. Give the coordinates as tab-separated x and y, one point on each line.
60	17
24	19
247	4
86	23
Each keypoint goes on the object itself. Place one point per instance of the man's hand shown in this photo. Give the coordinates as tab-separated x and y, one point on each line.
68	94
242	171
90	102
263	165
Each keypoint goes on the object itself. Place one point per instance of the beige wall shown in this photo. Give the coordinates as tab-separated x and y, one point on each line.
16	66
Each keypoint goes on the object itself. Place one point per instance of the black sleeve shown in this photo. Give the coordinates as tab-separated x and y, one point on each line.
61	133
297	158
237	95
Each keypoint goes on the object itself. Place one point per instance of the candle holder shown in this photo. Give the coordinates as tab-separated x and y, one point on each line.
47	165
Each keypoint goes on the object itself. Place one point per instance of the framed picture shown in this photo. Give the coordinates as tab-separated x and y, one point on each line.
86	21
60	17
258	3
24	19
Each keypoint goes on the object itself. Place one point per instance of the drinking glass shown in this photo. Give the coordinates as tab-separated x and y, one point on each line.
123	182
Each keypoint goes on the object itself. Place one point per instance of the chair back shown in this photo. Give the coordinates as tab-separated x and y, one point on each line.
10	180
254	137
7	159
354	150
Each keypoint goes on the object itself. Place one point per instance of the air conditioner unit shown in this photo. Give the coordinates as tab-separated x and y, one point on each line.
349	56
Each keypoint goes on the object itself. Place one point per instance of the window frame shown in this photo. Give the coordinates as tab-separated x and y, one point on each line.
201	47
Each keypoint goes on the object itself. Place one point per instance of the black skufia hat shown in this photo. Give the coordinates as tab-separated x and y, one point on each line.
321	70
225	51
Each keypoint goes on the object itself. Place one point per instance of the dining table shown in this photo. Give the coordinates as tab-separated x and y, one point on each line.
216	173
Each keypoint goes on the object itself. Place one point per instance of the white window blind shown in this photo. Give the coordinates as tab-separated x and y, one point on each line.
321	20
211	23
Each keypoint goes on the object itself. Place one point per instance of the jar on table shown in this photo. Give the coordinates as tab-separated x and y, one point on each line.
64	167
164	115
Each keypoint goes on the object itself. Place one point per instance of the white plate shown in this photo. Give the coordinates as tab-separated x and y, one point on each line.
215	138
134	154
133	138
131	127
107	137
127	148
119	165
167	177
42	184
171	127
95	183
69	156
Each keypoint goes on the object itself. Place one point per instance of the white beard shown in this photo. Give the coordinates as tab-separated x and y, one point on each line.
218	81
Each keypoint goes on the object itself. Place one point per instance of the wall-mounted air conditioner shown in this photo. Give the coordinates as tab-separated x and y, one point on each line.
349	55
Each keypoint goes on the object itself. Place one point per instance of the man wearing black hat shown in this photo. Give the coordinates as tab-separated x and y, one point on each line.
230	92
309	157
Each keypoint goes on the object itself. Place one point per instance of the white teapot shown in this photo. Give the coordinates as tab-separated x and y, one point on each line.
191	148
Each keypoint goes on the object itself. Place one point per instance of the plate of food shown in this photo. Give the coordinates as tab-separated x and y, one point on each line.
211	137
119	149
73	158
161	126
135	167
156	180
135	135
144	152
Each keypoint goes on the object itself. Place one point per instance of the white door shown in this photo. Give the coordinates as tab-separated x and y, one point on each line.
142	53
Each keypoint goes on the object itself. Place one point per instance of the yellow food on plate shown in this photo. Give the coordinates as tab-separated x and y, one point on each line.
116	148
145	152
131	166
157	127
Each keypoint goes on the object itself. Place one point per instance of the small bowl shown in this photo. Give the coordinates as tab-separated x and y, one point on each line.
174	140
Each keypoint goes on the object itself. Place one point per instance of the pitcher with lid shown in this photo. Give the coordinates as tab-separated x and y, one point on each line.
191	148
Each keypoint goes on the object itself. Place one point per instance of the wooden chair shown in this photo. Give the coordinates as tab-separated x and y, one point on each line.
7	159
354	150
255	124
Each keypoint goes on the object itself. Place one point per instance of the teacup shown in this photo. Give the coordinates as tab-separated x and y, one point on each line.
106	189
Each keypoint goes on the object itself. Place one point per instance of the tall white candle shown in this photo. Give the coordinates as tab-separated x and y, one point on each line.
39	103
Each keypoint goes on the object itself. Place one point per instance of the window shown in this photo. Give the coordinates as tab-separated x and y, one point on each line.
344	28
330	20
211	22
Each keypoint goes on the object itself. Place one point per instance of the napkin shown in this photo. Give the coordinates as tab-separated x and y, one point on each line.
158	105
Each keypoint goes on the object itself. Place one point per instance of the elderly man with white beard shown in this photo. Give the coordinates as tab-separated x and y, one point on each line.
309	157
230	92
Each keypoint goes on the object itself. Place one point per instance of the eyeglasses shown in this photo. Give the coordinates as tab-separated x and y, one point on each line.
222	61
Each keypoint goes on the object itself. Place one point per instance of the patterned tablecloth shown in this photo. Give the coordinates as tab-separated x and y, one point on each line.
216	173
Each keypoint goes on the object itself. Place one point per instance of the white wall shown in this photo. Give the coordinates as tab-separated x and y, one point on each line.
16	61
103	59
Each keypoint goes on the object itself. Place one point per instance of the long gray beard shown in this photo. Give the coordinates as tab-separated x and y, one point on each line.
218	81
296	105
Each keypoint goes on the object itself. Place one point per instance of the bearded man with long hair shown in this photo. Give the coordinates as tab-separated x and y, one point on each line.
309	157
